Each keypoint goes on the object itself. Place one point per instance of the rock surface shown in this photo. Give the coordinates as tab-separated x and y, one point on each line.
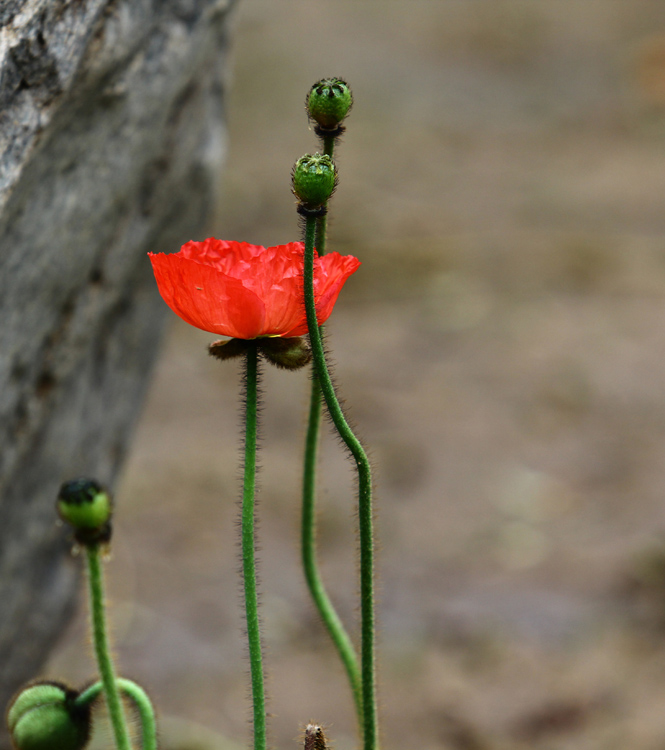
111	138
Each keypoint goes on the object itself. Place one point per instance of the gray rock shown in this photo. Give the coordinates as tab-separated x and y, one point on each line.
111	138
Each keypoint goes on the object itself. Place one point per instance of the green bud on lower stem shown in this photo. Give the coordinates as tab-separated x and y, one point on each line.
329	102
87	506
314	178
44	716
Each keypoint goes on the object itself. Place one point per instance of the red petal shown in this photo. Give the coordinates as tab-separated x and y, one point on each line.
244	291
278	281
232	258
207	298
274	274
330	274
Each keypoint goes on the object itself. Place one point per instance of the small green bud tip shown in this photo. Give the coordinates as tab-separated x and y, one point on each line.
314	178
329	102
85	505
44	716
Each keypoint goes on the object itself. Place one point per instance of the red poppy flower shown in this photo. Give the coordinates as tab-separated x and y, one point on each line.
247	291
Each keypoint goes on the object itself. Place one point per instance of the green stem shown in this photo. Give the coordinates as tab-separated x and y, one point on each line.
328	145
141	701
324	605
321	230
367	655
322	221
321	599
102	650
248	546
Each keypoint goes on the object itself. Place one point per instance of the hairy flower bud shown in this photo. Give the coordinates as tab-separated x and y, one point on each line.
314	179
44	716
85	505
288	354
329	102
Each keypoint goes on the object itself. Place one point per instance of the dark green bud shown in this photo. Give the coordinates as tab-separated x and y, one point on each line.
85	505
314	178
288	354
329	102
44	716
228	348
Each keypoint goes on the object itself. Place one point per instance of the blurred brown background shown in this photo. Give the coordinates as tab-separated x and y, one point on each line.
501	350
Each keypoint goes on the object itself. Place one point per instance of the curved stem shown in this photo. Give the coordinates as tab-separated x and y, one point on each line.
248	547
141	701
324	605
102	650
89	695
321	599
367	656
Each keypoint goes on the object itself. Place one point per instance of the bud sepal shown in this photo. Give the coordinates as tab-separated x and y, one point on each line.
290	353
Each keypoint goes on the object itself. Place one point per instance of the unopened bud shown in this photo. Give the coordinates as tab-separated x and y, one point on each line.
286	353
328	102
85	505
314	178
44	716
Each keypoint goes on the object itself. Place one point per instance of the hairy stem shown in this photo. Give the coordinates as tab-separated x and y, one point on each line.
102	650
248	547
317	589
322	601
328	144
367	655
141	701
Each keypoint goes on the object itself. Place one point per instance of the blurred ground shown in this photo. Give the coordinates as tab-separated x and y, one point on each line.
502	351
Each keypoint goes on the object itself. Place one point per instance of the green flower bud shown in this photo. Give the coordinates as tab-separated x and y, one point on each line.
44	716
329	102
314	178
86	506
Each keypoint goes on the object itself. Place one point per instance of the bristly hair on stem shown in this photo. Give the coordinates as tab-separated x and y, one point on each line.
365	511
329	615
322	601
248	546
141	702
96	591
